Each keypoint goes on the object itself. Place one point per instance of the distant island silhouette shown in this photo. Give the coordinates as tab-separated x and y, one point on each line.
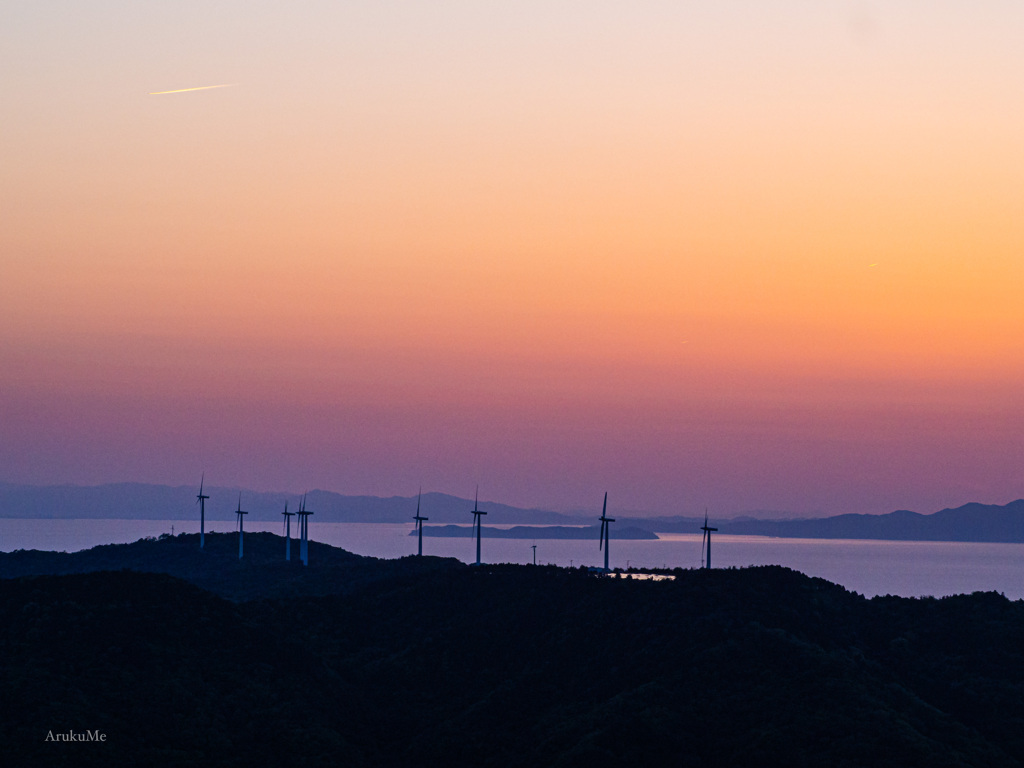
536	532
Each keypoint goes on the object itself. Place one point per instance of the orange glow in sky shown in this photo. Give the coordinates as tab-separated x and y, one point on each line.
709	255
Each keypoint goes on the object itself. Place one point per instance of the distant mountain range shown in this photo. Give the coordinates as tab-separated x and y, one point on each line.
164	502
970	522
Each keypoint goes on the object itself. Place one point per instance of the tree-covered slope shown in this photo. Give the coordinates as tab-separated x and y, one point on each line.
524	666
432	663
262	572
172	675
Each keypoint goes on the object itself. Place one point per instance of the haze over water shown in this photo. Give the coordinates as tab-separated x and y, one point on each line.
907	568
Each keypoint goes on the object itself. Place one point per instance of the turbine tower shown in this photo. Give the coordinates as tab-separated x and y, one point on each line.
201	501
241	531
287	532
476	522
304	531
419	524
605	526
706	540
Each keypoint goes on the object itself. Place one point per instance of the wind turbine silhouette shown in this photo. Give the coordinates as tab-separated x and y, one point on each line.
706	540
287	532
476	521
201	501
241	531
605	526
304	531
419	523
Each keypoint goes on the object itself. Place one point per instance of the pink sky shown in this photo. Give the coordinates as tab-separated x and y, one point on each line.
710	255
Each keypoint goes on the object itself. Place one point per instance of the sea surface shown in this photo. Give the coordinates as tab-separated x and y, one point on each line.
907	568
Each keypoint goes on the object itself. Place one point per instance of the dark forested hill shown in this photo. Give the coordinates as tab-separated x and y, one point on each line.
263	572
439	664
172	675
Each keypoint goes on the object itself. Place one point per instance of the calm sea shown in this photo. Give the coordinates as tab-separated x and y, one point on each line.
908	568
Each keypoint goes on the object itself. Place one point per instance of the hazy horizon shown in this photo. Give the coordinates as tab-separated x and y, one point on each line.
728	255
226	510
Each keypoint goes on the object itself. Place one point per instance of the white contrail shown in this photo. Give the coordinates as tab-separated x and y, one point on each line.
200	88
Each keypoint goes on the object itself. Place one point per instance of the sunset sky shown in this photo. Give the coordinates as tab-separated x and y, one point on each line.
742	255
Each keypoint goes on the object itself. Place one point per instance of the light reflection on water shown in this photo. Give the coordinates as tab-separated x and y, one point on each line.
908	568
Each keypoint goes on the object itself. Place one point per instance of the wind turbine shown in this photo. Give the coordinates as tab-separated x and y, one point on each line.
419	523
287	532
241	531
201	501
304	531
476	522
707	541
605	526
